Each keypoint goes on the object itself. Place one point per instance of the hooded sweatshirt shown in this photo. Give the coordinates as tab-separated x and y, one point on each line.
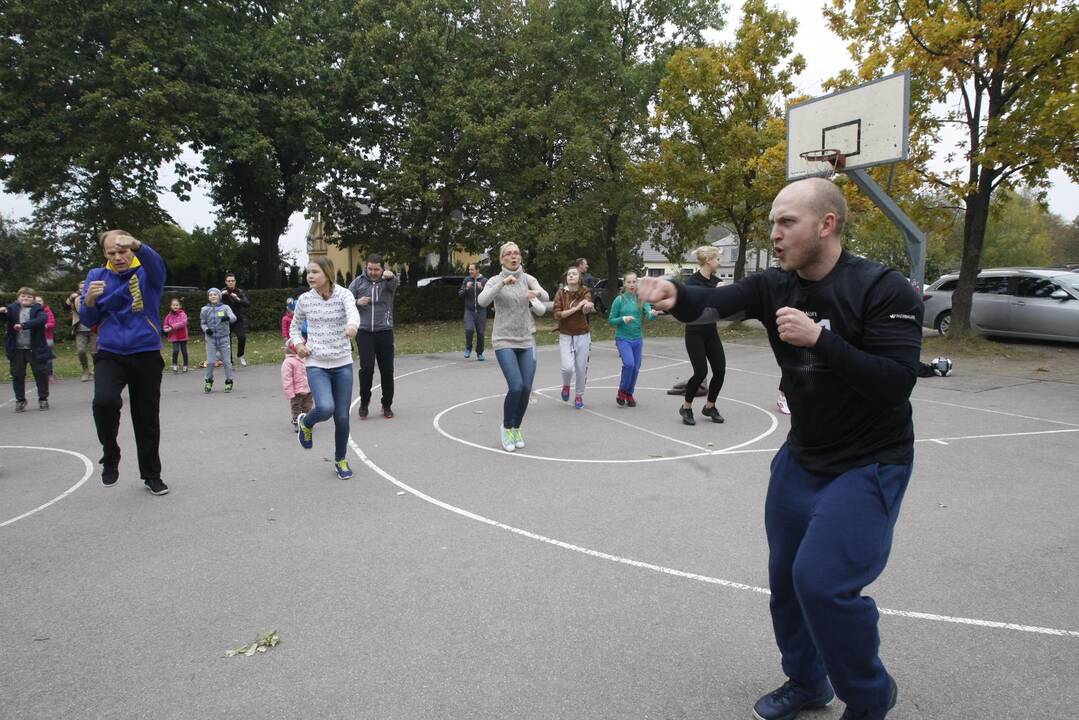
377	315
126	313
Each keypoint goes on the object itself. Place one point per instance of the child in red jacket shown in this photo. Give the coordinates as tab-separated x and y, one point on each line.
50	326
175	328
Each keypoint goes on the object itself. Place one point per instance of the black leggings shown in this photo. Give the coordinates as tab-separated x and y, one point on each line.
179	346
705	348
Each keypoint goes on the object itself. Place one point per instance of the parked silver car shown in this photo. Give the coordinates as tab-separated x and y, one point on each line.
1039	303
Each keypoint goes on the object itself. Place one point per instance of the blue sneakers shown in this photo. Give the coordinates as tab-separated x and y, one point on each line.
342	469
305	434
791	698
468	354
480	357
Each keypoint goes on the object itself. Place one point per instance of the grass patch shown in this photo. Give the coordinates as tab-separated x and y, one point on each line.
979	346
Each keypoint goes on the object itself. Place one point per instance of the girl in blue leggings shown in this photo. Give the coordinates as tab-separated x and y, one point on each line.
628	312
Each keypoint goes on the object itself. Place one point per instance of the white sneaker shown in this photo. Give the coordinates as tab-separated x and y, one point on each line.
518	439
508	440
781	404
243	361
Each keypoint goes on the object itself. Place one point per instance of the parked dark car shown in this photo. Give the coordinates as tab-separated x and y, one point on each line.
601	298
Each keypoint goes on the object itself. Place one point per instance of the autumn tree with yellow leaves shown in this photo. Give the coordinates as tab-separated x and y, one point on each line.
1005	71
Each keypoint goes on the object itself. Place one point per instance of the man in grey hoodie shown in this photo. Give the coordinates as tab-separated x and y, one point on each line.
374	291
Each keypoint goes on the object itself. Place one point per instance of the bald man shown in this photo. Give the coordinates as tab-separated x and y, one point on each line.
846	333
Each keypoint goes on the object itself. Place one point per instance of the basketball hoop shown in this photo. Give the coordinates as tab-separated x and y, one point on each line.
836	159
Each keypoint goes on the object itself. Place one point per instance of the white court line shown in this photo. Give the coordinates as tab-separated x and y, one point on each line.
11	400
994	624
89	471
995	412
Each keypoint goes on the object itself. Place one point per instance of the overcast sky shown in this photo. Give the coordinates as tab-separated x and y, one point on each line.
824	54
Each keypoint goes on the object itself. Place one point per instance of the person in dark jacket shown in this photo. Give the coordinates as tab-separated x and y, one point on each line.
475	316
374	291
703	344
25	344
846	333
122	299
237	301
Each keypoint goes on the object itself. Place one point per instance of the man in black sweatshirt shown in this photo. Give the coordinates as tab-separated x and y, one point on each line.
846	333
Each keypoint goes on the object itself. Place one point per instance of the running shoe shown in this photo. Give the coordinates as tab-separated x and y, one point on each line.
468	354
184	369
386	412
42	404
175	369
630	400
208	386
518	439
480	357
781	404
228	386
791	698
109	475
20	406
621	399
509	442
156	487
86	376
578	402
243	361
363	411
687	416
712	412
342	469
305	434
565	393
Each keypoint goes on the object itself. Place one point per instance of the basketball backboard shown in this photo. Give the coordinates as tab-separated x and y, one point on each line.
869	124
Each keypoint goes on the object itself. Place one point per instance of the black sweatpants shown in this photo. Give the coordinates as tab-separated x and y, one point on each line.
141	374
237	328
19	361
376	347
705	348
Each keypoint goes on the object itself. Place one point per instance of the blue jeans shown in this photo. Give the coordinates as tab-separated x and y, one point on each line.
829	537
632	353
519	367
332	390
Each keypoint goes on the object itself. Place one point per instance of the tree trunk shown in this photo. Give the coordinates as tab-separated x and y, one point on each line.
975	220
269	252
610	236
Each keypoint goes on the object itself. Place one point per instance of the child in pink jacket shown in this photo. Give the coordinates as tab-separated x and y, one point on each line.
175	328
50	326
294	382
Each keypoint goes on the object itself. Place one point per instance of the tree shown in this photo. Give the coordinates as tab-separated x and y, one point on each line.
1011	64
268	87
89	107
724	146
26	257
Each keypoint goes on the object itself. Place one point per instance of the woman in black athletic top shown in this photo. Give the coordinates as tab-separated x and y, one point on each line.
703	343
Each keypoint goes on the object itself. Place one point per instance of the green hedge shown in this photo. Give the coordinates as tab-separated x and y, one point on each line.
267	306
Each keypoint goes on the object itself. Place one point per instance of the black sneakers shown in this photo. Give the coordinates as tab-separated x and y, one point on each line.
157	487
109	475
386	412
363	411
712	412
791	698
42	404
877	713
687	416
20	406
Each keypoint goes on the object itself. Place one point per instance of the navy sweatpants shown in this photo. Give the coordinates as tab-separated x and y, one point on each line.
829	537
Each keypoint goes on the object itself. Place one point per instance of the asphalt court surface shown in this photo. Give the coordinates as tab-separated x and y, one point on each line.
614	568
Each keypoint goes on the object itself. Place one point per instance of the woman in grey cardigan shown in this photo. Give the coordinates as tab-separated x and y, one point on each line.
516	295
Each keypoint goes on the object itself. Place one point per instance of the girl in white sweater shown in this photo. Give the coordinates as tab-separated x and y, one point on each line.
513	292
332	321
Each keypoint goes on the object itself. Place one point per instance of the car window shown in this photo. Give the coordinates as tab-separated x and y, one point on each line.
1035	287
948	285
992	285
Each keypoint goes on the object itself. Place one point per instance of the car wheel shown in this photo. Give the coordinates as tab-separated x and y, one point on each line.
944	322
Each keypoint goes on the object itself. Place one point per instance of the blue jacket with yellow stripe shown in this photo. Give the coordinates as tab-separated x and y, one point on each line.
126	313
